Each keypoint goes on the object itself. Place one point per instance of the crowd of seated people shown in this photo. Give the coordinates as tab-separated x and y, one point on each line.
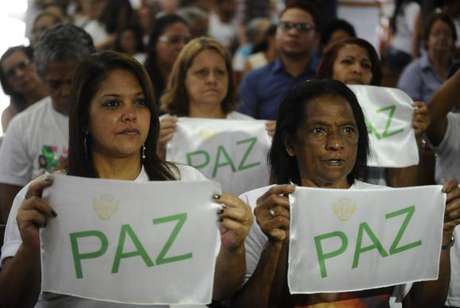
163	61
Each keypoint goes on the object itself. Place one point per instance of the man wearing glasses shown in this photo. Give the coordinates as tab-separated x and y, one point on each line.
262	90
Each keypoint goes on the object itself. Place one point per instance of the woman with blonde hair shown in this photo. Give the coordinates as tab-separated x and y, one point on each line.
200	86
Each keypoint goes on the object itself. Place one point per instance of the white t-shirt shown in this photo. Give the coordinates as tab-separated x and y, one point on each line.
256	240
13	241
224	33
36	141
257	60
93	27
235	115
405	24
448	151
447	168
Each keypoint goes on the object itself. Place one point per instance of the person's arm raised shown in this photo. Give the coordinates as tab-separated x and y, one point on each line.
235	220
167	129
433	293
442	102
272	215
7	193
20	275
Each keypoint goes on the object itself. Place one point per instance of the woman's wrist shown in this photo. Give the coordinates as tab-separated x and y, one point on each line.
448	241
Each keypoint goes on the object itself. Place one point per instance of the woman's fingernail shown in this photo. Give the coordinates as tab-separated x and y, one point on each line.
220	211
220	219
53	212
216	196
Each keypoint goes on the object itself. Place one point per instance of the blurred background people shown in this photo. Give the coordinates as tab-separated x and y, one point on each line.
37	139
421	78
129	41
262	90
403	22
336	30
43	21
170	34
19	79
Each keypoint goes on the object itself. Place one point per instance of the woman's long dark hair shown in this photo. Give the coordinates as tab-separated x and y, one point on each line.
90	73
291	116
160	26
137	32
326	66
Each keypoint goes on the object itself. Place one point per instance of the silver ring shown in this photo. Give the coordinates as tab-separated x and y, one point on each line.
271	212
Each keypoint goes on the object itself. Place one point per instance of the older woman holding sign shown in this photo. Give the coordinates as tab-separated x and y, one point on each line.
113	133
355	61
200	86
321	141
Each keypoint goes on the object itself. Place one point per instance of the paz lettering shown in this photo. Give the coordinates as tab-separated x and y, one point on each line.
365	229
126	234
201	158
386	133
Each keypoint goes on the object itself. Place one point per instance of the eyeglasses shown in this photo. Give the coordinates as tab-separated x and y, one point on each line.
23	65
299	26
174	39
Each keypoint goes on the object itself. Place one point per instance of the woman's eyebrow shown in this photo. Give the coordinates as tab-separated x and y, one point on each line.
140	93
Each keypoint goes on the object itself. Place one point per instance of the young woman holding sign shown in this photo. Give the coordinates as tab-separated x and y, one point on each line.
321	141
113	135
355	61
200	86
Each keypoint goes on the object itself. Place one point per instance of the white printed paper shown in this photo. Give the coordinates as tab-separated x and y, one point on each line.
371	237
388	114
231	152
130	242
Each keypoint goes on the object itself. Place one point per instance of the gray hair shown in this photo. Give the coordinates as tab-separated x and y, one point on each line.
63	42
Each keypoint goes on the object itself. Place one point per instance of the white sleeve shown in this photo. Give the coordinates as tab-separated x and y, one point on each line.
399	292
254	243
188	173
449	147
15	164
12	239
411	12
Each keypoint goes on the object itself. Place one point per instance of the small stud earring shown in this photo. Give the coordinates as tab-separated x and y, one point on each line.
143	153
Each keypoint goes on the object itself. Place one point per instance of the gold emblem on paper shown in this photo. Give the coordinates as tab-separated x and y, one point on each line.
105	206
344	209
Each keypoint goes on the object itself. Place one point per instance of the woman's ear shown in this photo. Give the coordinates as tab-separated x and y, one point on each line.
288	146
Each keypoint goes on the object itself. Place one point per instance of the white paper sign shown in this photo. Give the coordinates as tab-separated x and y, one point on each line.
349	240
130	242
231	152
388	115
